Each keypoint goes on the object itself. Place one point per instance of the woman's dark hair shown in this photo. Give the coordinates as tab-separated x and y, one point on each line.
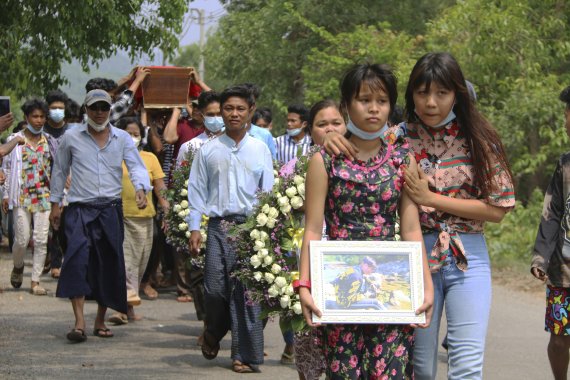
207	97
34	104
237	91
376	76
565	96
125	121
262	113
316	108
56	96
484	143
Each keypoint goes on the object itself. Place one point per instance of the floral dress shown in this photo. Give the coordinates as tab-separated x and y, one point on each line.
361	204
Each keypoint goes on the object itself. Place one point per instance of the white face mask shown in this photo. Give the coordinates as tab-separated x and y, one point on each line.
136	140
57	114
214	123
294	132
97	127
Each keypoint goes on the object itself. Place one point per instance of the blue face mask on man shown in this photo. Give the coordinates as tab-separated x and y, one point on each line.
214	124
34	130
294	132
56	114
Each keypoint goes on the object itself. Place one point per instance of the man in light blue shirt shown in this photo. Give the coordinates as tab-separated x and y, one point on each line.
94	266
225	176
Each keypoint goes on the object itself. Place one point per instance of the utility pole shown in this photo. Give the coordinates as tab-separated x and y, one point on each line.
202	23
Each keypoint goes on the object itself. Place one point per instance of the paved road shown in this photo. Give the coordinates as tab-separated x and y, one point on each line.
33	344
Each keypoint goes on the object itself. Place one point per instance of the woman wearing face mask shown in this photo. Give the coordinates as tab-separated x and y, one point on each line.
209	107
138	222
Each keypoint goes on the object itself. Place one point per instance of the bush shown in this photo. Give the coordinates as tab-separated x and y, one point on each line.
511	241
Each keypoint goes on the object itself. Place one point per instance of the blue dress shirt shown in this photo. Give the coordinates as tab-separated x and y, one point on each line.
265	136
225	178
97	172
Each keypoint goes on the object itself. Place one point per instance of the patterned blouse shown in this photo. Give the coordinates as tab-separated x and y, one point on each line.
445	159
363	197
36	162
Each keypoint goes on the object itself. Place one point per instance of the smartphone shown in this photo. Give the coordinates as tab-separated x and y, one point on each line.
4	105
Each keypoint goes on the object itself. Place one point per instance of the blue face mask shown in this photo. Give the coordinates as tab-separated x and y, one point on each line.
57	114
214	124
34	130
352	128
294	132
445	121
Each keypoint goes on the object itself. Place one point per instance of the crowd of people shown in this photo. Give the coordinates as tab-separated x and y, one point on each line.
85	186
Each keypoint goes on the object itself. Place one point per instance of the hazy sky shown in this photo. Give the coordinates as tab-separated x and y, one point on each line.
213	12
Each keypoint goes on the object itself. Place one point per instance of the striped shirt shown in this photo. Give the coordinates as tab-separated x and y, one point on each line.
287	148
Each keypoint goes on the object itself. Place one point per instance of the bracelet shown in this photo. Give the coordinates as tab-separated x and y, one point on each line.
301	284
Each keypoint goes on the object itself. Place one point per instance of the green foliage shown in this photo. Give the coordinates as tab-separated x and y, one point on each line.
511	241
188	55
39	35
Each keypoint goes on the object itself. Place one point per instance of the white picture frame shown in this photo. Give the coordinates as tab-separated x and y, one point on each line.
388	295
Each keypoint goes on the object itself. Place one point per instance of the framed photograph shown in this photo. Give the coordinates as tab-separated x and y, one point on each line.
367	281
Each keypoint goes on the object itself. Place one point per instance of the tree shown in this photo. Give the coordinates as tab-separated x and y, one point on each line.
39	35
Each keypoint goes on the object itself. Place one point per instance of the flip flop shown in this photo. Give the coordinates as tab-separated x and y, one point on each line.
77	336
239	367
209	349
287	359
103	333
118	319
185	298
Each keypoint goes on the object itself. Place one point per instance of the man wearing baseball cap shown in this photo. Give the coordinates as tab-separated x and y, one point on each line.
94	266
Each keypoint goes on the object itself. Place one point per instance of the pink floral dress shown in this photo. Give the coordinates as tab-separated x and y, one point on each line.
361	204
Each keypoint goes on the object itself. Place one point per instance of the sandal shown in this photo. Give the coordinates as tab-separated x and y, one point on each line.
118	319
55	272
149	291
38	291
210	348
77	336
17	277
185	298
103	332
287	359
239	367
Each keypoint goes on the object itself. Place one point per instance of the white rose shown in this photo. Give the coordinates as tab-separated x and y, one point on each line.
271	222
257	276
176	208
301	190
204	236
284	301
272	291
188	233
296	202
275	268
291	191
298	180
273	213
186	184
280	282
289	290
275	173
184	204
254	234
277	182
283	201
263	236
258	245
286	209
187	212
182	226
255	261
263	252
184	192
265	208
297	308
181	214
269	278
261	219
267	260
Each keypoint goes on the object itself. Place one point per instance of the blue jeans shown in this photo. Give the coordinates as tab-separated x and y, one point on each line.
467	300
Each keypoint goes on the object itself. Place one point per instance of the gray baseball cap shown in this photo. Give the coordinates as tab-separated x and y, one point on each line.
95	96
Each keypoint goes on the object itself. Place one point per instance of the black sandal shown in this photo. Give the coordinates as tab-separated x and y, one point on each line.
210	347
76	336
